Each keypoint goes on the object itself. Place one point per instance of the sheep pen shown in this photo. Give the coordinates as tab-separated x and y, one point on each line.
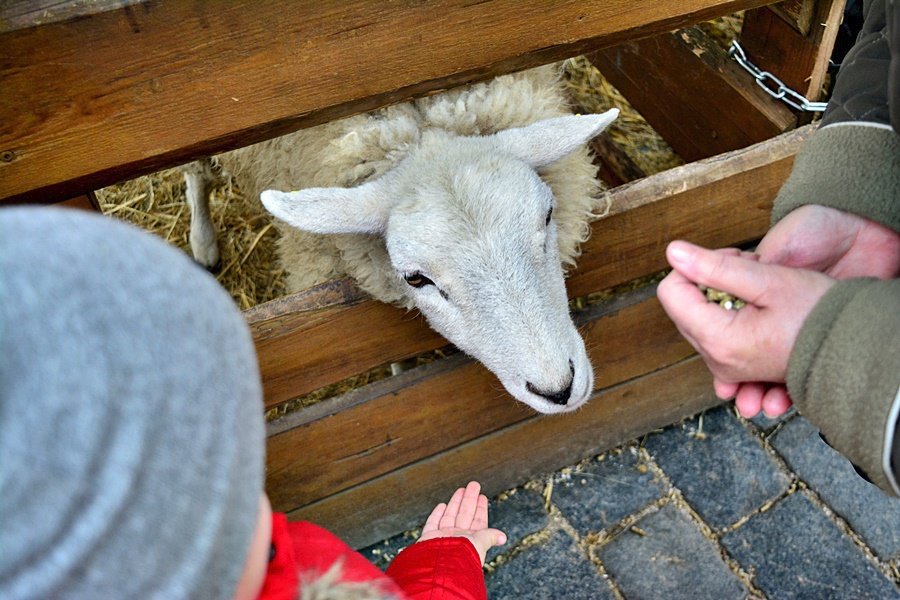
249	267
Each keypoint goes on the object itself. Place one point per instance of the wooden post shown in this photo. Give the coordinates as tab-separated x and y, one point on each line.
699	100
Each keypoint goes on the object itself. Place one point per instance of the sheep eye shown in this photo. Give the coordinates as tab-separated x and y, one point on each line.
417	280
549	214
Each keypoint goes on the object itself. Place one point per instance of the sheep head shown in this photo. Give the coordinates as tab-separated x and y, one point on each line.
468	226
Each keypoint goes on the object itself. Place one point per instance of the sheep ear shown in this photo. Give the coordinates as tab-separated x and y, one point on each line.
547	141
362	209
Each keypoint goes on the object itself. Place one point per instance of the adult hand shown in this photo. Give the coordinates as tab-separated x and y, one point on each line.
466	515
748	345
833	242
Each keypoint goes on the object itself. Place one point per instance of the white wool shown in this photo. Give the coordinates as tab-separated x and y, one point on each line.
350	151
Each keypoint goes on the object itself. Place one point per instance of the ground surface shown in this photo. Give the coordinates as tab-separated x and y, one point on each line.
715	507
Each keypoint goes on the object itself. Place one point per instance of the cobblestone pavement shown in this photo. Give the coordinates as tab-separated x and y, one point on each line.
714	507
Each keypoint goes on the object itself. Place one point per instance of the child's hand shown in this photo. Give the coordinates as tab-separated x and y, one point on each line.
466	515
749	345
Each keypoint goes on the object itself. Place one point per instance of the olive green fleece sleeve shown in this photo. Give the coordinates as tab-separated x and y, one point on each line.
854	167
844	372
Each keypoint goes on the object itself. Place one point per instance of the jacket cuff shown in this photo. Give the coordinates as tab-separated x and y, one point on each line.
853	167
447	568
843	375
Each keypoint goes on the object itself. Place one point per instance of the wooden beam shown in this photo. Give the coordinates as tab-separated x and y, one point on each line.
372	511
799	59
82	202
372	431
614	166
699	100
722	201
149	86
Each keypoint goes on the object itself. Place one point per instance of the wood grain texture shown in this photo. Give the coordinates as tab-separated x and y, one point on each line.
401	499
722	201
110	96
699	100
447	403
799	60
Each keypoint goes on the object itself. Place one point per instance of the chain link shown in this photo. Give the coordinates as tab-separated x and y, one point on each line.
771	84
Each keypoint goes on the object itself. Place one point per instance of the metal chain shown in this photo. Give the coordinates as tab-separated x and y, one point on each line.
771	84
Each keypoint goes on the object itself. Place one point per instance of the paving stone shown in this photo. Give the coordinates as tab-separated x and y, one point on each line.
795	551
873	514
766	424
724	473
672	560
382	553
605	492
552	570
519	515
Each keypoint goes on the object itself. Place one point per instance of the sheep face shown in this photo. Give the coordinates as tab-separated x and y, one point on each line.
469	229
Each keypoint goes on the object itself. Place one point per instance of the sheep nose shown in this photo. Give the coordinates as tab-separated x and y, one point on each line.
561	397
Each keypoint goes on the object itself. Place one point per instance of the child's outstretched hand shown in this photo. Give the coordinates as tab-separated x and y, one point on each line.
466	515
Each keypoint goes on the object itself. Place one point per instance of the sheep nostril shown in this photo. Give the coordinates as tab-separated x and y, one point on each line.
561	398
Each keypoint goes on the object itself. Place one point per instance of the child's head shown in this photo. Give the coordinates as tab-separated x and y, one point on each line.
131	431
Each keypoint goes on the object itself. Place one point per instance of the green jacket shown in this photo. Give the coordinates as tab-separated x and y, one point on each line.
844	371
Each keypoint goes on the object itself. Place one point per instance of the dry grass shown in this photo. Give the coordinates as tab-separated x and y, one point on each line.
249	267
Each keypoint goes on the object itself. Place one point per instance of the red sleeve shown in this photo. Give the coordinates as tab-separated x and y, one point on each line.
304	550
440	569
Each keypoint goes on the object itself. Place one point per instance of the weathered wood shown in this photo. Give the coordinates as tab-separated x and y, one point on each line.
797	13
31	13
150	86
401	499
722	201
718	202
698	99
82	202
394	424
614	166
799	60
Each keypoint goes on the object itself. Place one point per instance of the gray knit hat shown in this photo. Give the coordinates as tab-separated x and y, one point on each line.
131	430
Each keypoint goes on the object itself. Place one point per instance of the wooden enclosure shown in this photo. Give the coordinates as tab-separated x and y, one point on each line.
91	98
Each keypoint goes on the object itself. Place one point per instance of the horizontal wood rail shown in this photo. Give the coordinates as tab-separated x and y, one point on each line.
401	499
104	97
724	200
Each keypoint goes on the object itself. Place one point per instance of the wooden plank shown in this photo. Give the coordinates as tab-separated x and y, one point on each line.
797	13
722	201
141	88
614	166
375	510
718	202
82	202
799	60
20	15
697	98
374	432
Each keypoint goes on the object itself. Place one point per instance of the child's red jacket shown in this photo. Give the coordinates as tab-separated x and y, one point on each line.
439	569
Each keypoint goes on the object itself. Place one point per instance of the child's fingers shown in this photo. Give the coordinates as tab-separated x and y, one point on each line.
448	519
734	274
433	522
480	520
468	505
